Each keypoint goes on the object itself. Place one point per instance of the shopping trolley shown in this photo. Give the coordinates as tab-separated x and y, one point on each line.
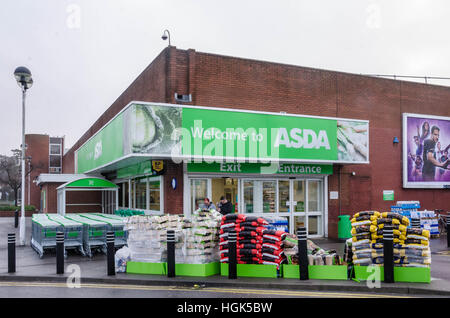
94	233
115	225
43	234
73	233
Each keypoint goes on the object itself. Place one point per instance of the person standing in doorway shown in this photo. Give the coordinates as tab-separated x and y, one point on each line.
208	205
225	206
429	156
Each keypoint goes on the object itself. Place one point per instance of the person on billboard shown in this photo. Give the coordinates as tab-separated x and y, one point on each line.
442	156
416	171
419	139
425	131
429	156
419	145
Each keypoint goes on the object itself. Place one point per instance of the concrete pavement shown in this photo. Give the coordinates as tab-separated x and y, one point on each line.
29	267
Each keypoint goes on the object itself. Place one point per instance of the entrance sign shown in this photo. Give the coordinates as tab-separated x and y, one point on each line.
207	134
258	168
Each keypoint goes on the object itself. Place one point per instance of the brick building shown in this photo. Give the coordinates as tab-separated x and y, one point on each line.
191	79
44	156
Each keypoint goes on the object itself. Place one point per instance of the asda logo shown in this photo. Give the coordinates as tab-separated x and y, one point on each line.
302	138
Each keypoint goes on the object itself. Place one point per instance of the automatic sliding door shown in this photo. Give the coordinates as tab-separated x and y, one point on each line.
259	196
315	207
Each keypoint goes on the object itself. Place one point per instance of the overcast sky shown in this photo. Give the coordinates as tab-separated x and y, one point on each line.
84	54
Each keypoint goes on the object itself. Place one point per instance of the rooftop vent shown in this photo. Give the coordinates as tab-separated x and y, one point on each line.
183	98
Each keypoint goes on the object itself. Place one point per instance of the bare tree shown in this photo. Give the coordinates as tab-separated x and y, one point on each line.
11	174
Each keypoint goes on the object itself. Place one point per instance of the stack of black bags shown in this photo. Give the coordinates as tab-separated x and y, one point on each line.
249	231
273	248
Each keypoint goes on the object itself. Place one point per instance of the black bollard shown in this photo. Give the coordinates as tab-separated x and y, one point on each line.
16	218
232	258
11	253
448	236
302	253
59	253
110	253
170	253
388	253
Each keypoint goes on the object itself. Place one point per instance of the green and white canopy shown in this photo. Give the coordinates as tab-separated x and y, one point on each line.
109	193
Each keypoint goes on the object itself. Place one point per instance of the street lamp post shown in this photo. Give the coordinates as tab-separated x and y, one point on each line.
29	178
23	77
166	36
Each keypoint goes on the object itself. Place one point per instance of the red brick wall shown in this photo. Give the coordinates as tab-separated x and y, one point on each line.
51	205
93	198
38	149
221	81
173	199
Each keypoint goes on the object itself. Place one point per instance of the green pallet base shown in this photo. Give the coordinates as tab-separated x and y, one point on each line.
251	270
334	272
196	270
146	268
401	274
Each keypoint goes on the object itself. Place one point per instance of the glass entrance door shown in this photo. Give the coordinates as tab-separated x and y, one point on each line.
300	201
308	206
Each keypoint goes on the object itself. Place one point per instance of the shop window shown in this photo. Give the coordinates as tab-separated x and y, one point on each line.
199	191
126	195
155	195
120	199
259	196
299	221
283	195
248	197
314	195
299	196
314	224
141	194
269	196
132	197
226	187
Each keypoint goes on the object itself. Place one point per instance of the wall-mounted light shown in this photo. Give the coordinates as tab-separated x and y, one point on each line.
174	183
353	173
395	140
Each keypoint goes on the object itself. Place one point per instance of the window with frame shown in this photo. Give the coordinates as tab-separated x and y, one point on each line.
155	195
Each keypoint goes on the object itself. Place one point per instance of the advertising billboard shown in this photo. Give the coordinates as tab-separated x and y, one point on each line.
426	144
207	134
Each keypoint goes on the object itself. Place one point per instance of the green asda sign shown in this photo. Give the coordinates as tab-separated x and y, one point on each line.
223	134
102	148
260	168
216	135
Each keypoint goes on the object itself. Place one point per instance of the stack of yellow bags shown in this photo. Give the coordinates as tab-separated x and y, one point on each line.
399	225
362	228
416	250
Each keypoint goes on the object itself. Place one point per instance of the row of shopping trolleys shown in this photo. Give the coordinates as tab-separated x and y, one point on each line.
85	233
